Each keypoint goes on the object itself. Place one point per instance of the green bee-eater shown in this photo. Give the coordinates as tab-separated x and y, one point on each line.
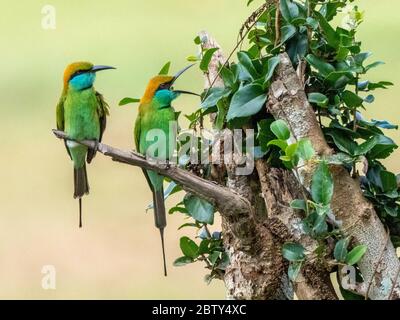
156	113
81	114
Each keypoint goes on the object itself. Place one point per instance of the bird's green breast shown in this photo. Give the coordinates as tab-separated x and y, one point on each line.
154	121
81	117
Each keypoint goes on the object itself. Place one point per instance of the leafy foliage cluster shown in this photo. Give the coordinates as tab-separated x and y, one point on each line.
335	71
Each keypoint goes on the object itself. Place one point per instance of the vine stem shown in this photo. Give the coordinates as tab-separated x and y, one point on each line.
355	123
239	42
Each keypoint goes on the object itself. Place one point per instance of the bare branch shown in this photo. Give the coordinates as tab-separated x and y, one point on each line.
227	202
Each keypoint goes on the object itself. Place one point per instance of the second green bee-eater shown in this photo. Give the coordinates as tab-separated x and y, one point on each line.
154	118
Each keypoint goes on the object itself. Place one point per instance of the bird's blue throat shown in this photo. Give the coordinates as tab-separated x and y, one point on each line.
82	81
164	97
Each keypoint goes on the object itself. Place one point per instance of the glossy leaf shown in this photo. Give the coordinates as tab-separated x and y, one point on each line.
324	68
183	261
207	56
165	69
356	254
280	129
318	98
293	251
125	101
340	251
247	101
322	184
199	209
189	247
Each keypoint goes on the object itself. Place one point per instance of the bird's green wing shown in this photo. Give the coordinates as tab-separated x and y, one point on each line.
60	113
136	133
60	119
103	112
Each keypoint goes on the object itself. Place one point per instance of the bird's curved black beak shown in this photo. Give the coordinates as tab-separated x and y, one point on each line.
100	68
177	75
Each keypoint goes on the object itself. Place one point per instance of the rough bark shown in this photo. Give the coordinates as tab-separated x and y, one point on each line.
279	187
256	269
380	264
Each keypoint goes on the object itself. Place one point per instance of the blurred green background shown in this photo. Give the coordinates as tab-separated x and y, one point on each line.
117	254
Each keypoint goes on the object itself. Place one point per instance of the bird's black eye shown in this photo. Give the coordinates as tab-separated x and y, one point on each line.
163	86
77	73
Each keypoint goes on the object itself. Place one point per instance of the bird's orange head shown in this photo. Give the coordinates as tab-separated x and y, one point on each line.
162	82
83	69
156	83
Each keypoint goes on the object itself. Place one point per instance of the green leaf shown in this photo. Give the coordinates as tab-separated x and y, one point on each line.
182	261
190	224
264	133
388	181
125	101
313	23
293	251
197	40
247	64
165	69
366	146
322	184
305	149
227	76
297	47
221	114
373	65
282	144
247	101
213	257
199	209
291	150
272	64
340	251
287	32
205	61
356	254
192	58
280	129
384	147
294	270
351	99
324	68
289	10
343	142
177	209
318	98
189	247
331	36
204	246
298	204
214	95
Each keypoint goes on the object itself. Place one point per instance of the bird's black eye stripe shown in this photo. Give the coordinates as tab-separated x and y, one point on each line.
163	86
77	73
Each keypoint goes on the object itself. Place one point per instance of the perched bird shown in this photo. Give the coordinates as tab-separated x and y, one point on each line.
81	114
156	112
